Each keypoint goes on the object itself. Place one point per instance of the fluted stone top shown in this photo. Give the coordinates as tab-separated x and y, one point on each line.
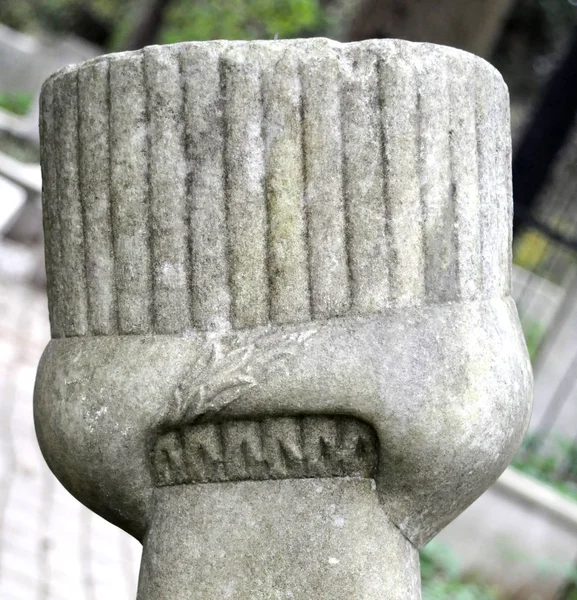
235	184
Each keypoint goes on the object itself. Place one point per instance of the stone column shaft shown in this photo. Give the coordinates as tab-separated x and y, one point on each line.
284	350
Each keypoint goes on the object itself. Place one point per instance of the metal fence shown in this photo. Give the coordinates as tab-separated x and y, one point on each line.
545	289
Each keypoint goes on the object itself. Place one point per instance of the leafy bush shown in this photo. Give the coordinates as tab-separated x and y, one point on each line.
241	19
109	22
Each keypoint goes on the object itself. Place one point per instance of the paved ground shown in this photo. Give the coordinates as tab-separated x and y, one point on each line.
51	547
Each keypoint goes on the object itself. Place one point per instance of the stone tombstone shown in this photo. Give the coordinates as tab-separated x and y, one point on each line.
284	351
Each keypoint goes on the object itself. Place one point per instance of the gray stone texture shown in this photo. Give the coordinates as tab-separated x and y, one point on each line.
261	237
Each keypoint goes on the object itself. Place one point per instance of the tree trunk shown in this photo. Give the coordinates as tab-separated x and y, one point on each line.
473	25
148	25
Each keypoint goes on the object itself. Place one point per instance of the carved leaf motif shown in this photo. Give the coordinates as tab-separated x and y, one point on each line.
220	376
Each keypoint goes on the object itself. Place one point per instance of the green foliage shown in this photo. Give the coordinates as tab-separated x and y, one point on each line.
552	461
531	249
17	14
534	333
184	20
442	578
16	102
94	20
535	252
241	19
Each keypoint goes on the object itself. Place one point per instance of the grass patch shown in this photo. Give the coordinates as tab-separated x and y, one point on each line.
442	577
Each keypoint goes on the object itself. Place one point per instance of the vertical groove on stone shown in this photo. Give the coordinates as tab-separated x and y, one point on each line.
110	206
94	161
324	195
343	167
188	258
486	144
129	194
504	186
269	273
480	196
438	187
147	212
226	186
50	211
169	235
205	151
389	251
288	271
363	150
399	88
72	259
463	147
245	169
509	177
306	212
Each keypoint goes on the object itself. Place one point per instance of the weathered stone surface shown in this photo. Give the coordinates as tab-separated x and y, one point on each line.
252	243
229	185
305	538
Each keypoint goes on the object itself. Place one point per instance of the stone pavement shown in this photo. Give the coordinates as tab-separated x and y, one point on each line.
51	547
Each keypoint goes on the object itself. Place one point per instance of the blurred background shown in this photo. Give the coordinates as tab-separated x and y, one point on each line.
519	540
